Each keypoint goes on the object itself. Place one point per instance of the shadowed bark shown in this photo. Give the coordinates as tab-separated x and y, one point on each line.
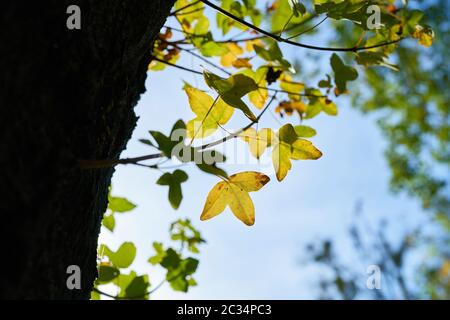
65	95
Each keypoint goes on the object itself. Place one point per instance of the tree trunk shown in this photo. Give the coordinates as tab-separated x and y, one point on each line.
65	95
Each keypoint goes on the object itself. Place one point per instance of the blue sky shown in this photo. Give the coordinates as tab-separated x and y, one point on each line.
316	200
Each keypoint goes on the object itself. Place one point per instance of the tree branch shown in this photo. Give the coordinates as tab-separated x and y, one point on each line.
297	44
96	164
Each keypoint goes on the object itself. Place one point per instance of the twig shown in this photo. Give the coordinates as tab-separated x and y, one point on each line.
95	164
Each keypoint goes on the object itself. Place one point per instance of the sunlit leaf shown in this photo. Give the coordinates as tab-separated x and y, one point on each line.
288	146
232	90
209	115
234	194
123	257
258	141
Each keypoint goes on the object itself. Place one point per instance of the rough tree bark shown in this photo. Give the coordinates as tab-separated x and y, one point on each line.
65	95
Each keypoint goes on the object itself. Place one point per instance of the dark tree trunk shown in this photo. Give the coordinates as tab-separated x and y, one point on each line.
65	95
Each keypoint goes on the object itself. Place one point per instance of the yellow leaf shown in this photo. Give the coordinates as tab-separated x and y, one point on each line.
288	146
234	51
216	201
304	150
241	204
234	194
249	44
192	13
281	160
259	96
241	63
208	115
288	107
329	107
289	85
249	180
258	141
425	36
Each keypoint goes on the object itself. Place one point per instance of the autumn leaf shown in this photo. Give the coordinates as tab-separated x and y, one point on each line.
234	51
234	193
259	96
289	147
208	115
288	107
232	89
292	87
424	35
249	44
242	63
258	141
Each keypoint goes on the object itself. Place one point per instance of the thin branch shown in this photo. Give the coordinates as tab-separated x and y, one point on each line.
297	44
309	29
237	133
259	87
205	60
294	26
285	25
177	66
95	164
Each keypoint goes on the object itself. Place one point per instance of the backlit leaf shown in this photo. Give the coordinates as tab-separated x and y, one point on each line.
208	114
234	194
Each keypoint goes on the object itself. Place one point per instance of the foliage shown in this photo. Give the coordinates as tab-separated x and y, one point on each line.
114	266
254	73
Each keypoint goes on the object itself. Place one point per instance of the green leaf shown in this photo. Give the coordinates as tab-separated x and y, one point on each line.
273	54
174	181
213	49
107	274
171	259
297	7
305	131
109	222
147	142
118	204
179	278
123	257
160	253
371	58
183	231
231	90
123	281
212	169
167	143
342	73
95	295
138	288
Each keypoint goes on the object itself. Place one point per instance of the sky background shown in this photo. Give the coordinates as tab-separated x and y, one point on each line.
315	201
